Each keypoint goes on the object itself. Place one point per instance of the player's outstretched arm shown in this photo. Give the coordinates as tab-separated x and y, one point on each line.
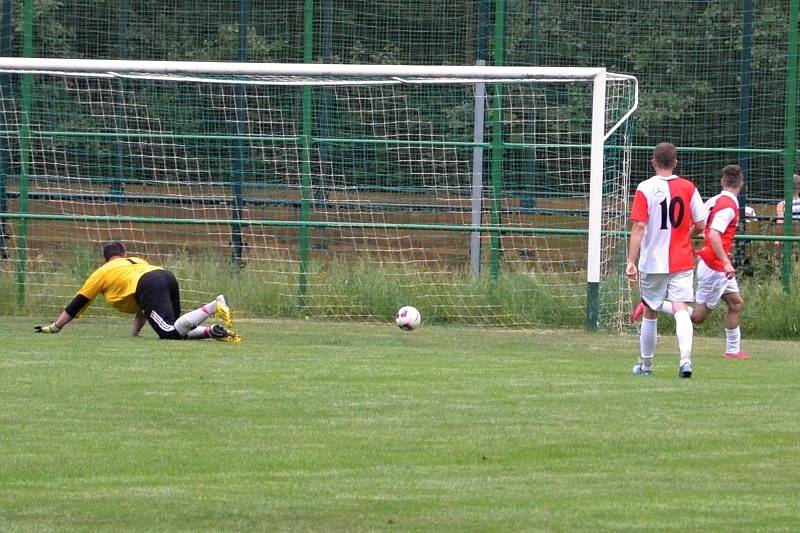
63	319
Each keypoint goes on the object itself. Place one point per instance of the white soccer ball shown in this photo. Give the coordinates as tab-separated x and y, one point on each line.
408	318
750	214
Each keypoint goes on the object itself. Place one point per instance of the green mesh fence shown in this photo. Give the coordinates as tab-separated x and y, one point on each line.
717	77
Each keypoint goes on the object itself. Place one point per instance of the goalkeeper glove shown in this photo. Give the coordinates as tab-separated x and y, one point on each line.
52	328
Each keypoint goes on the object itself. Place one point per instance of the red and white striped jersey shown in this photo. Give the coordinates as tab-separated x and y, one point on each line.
669	206
723	216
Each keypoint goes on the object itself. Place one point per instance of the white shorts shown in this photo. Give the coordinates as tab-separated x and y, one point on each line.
654	289
712	285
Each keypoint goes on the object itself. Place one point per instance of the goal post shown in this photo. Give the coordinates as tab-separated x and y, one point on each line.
479	194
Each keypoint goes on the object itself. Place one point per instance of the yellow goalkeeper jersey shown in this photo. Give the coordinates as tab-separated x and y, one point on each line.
116	280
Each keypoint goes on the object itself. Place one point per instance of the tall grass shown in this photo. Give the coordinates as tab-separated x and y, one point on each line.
770	312
368	290
372	291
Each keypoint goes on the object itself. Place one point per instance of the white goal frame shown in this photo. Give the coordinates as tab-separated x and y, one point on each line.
391	74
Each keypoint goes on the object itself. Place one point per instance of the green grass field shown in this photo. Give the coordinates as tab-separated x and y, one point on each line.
316	426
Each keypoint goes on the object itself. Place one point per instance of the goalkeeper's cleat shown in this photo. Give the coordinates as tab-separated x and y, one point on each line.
637	313
640	370
50	328
219	333
685	370
737	355
223	312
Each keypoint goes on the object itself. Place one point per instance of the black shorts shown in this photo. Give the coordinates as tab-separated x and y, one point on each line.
158	295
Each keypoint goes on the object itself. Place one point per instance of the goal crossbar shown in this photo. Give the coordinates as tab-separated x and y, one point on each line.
23	64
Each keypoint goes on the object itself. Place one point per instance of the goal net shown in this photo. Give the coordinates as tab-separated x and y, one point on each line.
481	195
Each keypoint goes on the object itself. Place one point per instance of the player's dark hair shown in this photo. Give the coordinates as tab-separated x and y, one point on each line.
732	176
665	155
113	248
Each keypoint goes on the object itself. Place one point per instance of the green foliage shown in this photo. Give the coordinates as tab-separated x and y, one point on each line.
688	58
770	311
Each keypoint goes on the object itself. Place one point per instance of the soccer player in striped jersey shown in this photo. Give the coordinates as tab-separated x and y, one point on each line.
151	293
716	275
667	212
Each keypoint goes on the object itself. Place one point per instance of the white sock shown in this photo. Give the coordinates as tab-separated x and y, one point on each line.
200	332
733	338
685	333
666	307
192	319
647	339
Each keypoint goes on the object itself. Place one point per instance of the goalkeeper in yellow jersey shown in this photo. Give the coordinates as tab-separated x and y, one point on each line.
132	285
